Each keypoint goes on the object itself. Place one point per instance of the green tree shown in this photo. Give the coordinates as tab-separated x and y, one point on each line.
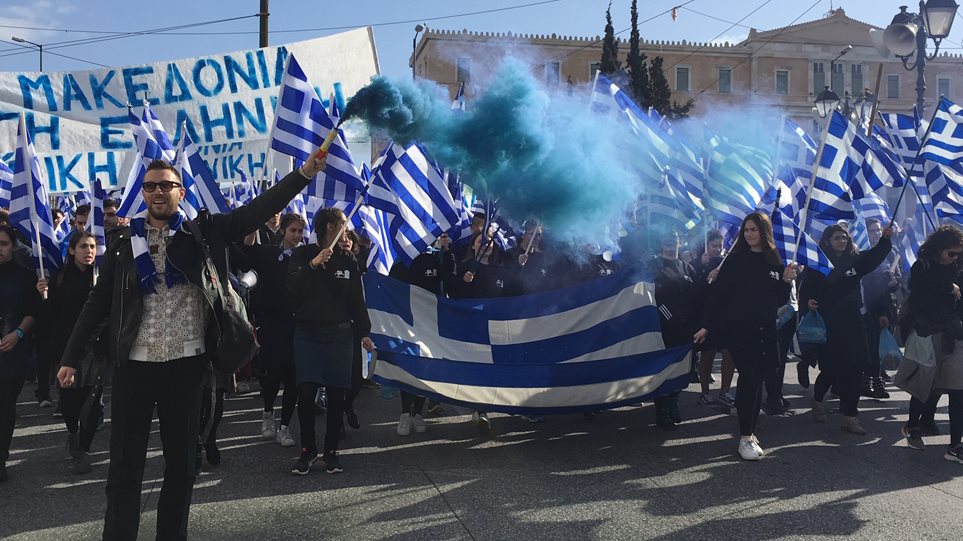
661	96
639	84
610	47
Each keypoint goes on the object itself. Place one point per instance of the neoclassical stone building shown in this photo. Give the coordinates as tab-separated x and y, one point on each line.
782	67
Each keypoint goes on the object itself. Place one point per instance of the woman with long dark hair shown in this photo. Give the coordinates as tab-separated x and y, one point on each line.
839	299
752	285
19	305
933	312
330	315
66	294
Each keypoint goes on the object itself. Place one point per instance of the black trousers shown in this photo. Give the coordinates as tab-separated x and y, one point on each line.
274	365
72	404
873	365
754	350
206	414
45	378
356	377
9	392
776	373
842	360
174	387
926	410
334	416
412	403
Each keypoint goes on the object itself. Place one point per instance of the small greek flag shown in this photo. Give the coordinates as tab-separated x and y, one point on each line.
29	204
785	232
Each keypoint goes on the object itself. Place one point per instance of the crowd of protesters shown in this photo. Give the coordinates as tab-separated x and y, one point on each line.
145	325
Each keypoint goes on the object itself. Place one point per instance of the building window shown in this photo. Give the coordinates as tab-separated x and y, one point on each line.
594	68
782	82
681	79
553	73
837	80
819	78
464	70
943	86
892	86
725	80
857	79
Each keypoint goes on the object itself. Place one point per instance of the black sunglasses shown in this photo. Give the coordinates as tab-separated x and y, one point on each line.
165	186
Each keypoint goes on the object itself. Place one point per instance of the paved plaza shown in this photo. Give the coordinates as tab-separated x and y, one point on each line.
615	477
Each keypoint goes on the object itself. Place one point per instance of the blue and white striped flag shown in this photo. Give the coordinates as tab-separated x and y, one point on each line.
458	104
785	232
903	132
95	222
376	226
858	231
29	204
152	144
202	190
301	125
943	152
873	207
6	182
738	177
63	228
594	346
405	183
83	198
849	168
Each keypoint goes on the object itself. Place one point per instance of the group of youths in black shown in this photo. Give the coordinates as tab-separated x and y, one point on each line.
312	323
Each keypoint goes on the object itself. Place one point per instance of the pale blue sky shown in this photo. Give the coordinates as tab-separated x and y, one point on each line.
569	17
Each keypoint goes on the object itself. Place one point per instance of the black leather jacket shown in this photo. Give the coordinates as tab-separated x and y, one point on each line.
117	299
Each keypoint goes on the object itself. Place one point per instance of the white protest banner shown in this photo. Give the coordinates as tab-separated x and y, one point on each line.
78	120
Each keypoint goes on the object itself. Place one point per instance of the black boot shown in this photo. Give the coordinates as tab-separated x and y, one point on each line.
673	404
879	389
802	372
213	453
663	417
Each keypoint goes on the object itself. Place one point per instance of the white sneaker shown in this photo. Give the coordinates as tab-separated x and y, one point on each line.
284	437
481	420
267	425
418	423
749	449
404	424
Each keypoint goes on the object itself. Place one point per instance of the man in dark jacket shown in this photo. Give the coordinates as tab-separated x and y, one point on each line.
162	328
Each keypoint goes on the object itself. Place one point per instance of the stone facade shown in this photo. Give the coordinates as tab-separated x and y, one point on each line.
783	68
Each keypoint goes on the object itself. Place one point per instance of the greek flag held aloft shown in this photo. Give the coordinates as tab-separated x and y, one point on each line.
594	346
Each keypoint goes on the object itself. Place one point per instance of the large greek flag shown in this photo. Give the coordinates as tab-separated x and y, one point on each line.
202	190
300	126
29	204
594	346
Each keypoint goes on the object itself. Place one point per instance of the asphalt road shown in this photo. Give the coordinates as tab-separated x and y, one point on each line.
615	477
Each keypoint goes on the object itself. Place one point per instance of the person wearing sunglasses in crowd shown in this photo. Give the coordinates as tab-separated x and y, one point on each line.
933	312
162	329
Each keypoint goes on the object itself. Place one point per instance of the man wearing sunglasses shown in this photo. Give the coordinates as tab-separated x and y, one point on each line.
160	330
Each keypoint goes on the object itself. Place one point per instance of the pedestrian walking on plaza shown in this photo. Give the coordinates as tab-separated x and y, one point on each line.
933	313
162	329
839	299
751	287
66	292
330	315
19	305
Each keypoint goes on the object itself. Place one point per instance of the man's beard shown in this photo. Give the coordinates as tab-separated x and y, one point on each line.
163	215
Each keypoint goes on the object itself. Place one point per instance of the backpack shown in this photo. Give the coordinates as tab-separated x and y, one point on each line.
238	343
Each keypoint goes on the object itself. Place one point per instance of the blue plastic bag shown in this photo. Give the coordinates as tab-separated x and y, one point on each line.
812	329
890	355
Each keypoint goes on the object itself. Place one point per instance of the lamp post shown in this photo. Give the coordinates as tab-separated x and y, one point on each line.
414	45
906	37
37	45
826	102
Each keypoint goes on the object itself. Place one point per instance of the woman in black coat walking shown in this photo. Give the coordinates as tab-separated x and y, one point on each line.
19	305
752	285
66	294
330	314
839	300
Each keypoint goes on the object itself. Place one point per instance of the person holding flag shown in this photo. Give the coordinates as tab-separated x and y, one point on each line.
751	287
19	306
163	324
839	299
65	294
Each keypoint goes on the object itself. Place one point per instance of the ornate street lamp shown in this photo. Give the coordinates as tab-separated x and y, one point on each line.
826	102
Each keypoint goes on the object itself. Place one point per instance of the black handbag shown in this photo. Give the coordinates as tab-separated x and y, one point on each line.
237	342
